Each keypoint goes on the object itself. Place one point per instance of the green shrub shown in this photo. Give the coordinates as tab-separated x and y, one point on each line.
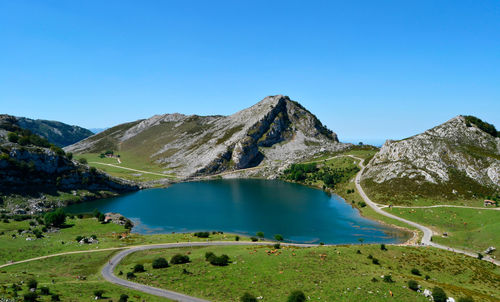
254	239
32	283
388	279
278	237
139	268
486	127
82	161
208	255
179	259
222	260
439	295
55	218
382	247
296	296
427	277
260	234
160	263
374	279
123	298
13	137
416	272
31	296
465	299
98	293
375	261
479	256
78	238
55	298
413	285
247	297
44	290
202	234
277	246
130	275
237	238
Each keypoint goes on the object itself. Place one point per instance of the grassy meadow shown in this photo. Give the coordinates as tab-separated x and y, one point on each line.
323	273
72	277
470	229
109	235
128	160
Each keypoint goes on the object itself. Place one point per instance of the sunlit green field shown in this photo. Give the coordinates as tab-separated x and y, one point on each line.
322	273
128	160
470	229
109	236
72	277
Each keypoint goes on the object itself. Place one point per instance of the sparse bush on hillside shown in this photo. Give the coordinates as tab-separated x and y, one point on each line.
465	299
83	161
160	263
44	290
296	296
388	279
277	246
413	285
130	275
416	272
382	247
32	283
123	298
439	295
98	293
31	297
55	218
247	297
222	260
139	268
179	259
202	234
486	127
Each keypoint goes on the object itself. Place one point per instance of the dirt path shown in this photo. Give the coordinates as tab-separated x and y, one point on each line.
442	206
135	170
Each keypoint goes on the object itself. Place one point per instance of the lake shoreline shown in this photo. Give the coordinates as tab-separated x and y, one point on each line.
317	221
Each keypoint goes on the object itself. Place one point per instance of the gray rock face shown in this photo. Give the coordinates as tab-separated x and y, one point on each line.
440	155
272	132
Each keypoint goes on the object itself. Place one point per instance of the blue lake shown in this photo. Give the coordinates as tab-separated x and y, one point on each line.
246	206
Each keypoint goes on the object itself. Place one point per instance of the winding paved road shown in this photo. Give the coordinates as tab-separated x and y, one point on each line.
427	238
107	271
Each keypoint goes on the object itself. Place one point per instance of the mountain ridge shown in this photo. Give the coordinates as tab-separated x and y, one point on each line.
57	133
456	155
275	129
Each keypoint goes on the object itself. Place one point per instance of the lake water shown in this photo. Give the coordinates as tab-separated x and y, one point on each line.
246	206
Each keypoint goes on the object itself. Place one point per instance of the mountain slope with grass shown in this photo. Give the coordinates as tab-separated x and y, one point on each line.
36	175
457	160
57	133
275	131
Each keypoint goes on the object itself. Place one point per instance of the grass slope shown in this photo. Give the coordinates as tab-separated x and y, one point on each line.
72	277
469	229
108	235
322	273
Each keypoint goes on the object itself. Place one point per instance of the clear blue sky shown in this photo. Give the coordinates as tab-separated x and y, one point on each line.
367	69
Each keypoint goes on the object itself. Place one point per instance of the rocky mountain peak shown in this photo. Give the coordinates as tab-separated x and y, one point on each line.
457	155
272	130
